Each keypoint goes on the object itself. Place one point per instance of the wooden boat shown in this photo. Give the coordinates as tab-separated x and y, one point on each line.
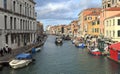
21	60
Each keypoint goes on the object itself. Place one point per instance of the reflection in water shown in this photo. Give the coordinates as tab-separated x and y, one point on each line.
114	67
66	59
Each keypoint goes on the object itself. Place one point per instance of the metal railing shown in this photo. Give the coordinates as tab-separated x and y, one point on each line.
6	31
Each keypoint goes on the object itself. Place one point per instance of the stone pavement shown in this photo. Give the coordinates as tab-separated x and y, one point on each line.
9	57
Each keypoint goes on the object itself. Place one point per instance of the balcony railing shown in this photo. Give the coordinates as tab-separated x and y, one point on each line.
10	31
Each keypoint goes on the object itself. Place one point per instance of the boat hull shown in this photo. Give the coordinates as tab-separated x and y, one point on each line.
80	46
19	63
96	53
37	49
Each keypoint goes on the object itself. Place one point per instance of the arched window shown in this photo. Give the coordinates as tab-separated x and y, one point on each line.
14	6
20	8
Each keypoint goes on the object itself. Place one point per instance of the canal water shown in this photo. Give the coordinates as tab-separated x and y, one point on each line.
66	59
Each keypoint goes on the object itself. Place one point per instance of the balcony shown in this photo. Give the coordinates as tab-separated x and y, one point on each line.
9	31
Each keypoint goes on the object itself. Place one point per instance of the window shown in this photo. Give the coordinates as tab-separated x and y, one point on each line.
28	26
21	24
30	10
5	4
98	22
5	21
12	38
14	6
89	18
93	23
14	23
118	33
25	9
20	9
118	21
11	22
108	5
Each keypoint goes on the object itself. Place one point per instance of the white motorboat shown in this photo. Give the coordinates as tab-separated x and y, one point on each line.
37	49
21	60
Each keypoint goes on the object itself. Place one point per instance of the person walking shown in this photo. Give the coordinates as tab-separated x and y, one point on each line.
9	50
1	52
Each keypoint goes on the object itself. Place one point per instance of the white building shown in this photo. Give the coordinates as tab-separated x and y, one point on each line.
112	27
17	22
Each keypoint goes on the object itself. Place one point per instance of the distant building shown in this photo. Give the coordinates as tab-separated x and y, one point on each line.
17	22
40	29
74	28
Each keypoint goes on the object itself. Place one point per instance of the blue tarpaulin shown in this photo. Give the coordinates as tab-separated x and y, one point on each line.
24	56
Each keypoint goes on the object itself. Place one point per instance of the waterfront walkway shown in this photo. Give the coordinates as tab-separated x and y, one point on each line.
8	57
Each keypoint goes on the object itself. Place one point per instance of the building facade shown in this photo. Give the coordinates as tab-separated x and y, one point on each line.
40	28
83	19
106	14
110	3
112	27
17	22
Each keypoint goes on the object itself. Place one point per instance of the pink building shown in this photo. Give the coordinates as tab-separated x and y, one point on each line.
106	13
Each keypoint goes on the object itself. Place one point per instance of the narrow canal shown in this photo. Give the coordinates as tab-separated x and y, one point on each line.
66	59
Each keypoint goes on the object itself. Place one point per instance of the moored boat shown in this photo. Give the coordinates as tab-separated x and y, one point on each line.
80	45
73	41
21	60
58	40
37	49
114	50
95	51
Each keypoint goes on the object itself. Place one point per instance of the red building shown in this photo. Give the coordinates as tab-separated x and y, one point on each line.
115	52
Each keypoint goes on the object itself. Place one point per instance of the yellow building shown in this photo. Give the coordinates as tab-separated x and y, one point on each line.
84	18
95	28
92	23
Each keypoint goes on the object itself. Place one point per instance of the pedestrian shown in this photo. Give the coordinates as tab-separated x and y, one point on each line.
6	49
1	52
9	50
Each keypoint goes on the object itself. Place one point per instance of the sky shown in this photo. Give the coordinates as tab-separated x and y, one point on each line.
55	12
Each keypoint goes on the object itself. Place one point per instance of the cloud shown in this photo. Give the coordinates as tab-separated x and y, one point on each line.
63	9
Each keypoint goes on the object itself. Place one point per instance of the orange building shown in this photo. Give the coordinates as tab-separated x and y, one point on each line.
89	20
84	19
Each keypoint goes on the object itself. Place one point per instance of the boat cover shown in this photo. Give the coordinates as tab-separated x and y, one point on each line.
24	56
